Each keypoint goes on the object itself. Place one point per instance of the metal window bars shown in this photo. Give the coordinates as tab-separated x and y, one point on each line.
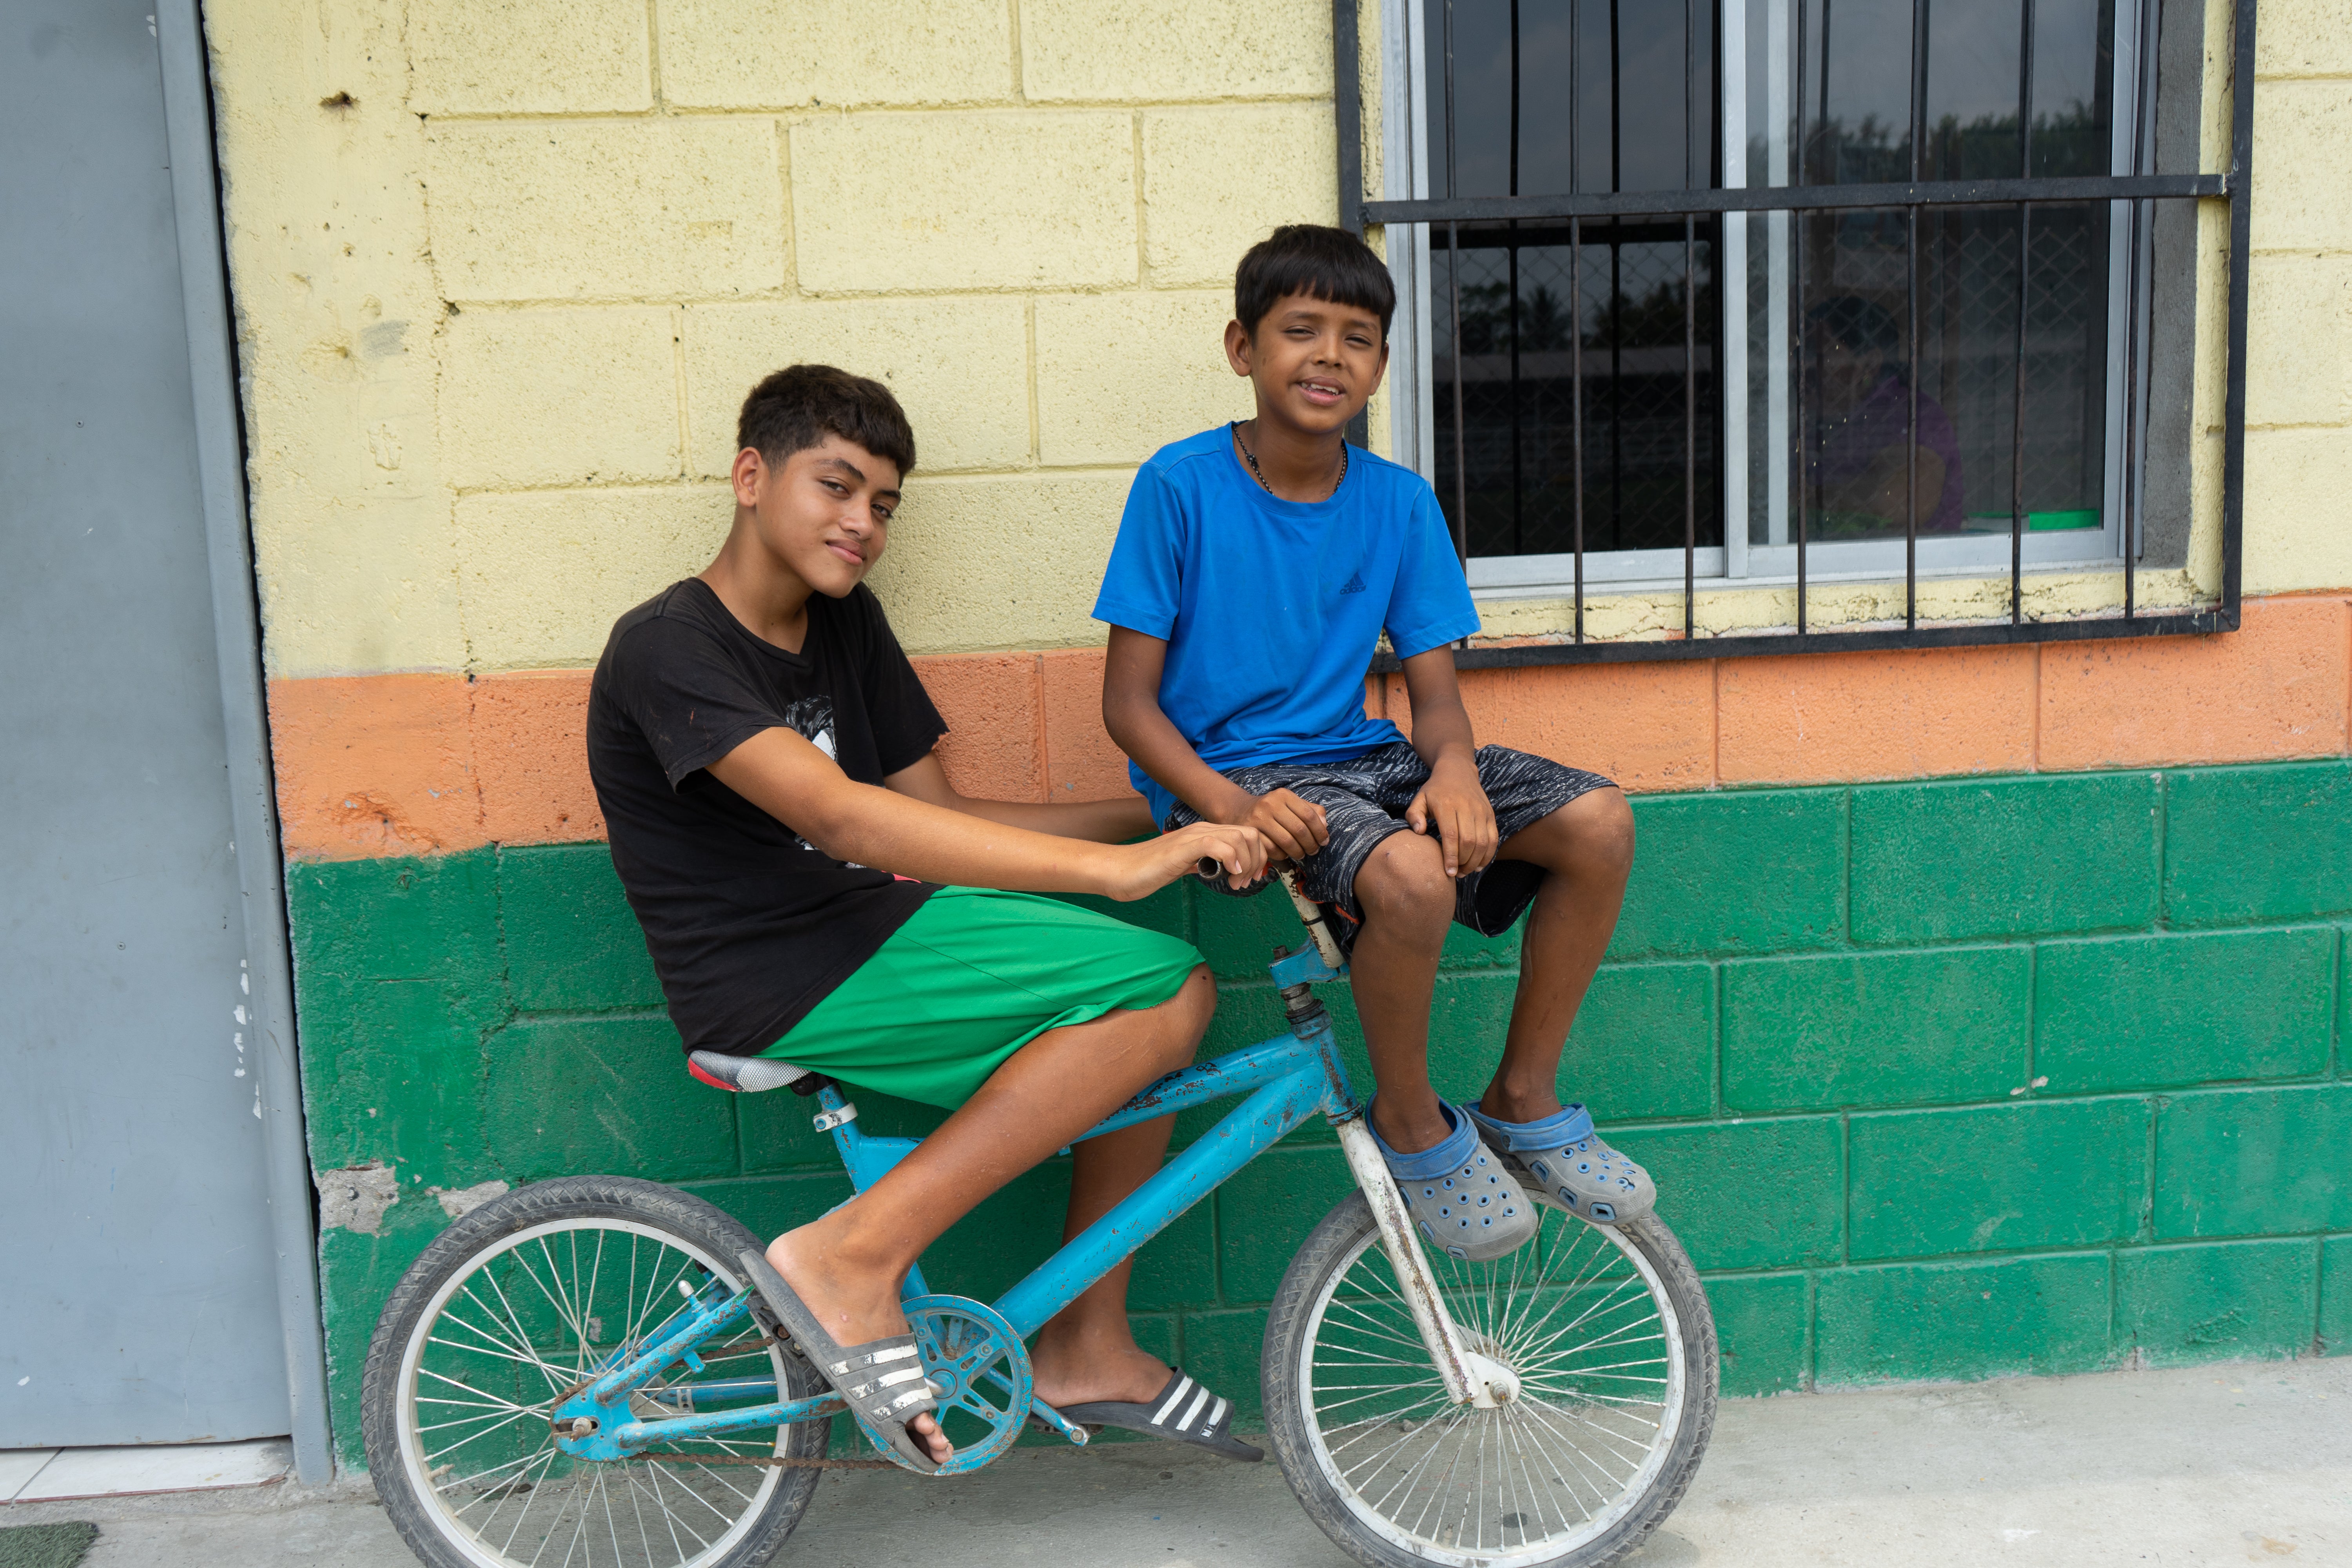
1916	196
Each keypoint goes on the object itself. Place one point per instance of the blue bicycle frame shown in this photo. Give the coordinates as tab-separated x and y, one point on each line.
1289	1078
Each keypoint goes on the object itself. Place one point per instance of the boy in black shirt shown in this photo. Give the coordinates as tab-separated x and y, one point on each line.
811	888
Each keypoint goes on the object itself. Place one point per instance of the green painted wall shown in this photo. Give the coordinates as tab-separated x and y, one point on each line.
1939	1081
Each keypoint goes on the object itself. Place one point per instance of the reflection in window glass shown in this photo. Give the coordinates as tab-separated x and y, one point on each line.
1831	395
1557	100
1622	317
1837	288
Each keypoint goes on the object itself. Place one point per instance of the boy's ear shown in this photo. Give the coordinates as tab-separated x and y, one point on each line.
1237	347
749	472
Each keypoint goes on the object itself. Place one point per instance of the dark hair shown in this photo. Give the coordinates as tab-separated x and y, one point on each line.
1327	263
797	408
1863	327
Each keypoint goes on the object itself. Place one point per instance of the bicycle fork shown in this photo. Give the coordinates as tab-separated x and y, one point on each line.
1470	1377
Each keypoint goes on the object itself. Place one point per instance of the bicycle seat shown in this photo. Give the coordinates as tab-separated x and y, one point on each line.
742	1075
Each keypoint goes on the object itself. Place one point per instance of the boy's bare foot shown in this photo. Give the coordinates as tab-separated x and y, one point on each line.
1070	1373
1409	1122
1504	1104
854	1302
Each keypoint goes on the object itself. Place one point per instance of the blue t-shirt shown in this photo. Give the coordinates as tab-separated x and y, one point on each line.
1272	609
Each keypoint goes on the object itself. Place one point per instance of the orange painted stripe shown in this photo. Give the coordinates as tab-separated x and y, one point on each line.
375	764
421	764
407	765
2276	688
1856	715
1648	726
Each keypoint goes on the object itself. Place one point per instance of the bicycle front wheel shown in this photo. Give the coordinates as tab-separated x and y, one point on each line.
517	1303
1606	1330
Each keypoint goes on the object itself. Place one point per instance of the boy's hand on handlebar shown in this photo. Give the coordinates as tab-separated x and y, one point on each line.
1293	825
1144	869
1453	806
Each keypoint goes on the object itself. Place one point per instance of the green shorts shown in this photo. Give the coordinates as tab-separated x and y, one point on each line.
971	978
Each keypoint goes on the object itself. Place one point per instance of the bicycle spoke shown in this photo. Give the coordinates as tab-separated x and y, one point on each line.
453	1447
508	1404
1575	1315
1579	1462
671	1515
636	1514
1535	1339
480	1373
502	1355
555	1382
1558	1423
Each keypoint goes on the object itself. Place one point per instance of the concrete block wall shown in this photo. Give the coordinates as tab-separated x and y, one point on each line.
1940	1078
456	244
2299	330
502	285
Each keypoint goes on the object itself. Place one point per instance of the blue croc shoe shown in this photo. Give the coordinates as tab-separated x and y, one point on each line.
1461	1199
1566	1158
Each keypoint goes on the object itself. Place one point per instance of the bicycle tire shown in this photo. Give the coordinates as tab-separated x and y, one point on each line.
1339	1502
651	1216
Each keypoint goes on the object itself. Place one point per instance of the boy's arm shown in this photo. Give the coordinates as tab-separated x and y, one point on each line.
1102	821
791	780
1452	803
1131	713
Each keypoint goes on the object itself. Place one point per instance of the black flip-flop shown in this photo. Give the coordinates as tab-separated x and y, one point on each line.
881	1381
1182	1411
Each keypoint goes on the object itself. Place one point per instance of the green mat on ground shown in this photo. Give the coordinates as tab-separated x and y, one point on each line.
45	1545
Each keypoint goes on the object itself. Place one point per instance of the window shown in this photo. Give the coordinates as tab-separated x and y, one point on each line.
1773	293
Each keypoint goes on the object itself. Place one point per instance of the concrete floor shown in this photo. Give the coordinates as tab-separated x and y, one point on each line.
2249	1463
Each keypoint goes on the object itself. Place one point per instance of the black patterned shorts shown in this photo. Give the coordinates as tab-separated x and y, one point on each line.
1364	800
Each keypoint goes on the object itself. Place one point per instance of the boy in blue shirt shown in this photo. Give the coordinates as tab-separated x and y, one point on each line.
1257	567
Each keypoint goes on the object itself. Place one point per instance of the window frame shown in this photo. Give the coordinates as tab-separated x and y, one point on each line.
1408	215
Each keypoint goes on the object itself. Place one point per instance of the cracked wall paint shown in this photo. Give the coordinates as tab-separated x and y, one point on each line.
356	1197
459	1202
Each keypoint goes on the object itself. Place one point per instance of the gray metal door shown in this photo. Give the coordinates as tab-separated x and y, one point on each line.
138	1279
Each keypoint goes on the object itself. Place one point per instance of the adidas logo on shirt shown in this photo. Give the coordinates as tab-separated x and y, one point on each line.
1355	583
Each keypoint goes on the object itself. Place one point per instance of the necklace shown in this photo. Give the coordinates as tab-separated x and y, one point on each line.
1251	458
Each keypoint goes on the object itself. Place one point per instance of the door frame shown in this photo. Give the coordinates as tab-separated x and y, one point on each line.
253	808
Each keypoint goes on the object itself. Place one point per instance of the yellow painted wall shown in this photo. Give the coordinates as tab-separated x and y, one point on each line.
503	274
2299	328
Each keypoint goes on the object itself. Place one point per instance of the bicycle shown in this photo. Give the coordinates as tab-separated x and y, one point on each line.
1544	1410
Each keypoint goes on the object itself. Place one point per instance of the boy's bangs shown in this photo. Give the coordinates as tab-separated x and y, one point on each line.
1322	263
796	408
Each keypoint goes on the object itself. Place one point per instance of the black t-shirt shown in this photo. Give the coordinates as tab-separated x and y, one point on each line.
749	926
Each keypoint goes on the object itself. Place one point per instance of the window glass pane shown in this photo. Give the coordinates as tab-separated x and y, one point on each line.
2066	367
1481	149
1833	371
1608	96
1973	58
1519	388
1864	334
2073	86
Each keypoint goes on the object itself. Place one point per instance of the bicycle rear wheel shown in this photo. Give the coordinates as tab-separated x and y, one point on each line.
518	1302
1606	1329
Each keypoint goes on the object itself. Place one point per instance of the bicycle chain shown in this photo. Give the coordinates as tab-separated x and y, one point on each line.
766	1462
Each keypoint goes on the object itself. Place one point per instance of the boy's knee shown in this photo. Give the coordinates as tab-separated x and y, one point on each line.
1592	836
1403	885
1607	831
1188	1013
